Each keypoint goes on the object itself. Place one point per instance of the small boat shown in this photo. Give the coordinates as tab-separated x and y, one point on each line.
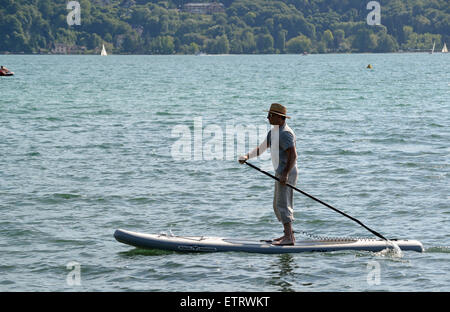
220	244
5	72
432	50
444	49
103	53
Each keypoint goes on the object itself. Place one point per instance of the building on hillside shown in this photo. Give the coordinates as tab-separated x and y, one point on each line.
204	8
62	48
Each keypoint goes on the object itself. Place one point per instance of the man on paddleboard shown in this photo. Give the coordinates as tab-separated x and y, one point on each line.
281	140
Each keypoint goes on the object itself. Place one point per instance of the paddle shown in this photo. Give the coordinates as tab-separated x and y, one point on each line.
323	203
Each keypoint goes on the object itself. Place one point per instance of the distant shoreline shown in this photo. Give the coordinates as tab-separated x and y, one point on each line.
299	54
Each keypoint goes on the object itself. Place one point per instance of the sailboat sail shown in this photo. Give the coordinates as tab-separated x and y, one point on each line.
444	49
434	44
103	51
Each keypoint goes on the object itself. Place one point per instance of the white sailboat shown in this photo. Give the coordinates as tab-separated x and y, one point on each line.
103	51
444	49
434	44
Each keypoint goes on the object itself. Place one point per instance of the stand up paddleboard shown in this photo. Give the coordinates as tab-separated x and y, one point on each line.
217	244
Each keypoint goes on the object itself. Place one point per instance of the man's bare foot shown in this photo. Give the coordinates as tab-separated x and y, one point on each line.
279	238
284	242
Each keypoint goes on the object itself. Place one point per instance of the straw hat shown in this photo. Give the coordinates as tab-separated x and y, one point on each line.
278	109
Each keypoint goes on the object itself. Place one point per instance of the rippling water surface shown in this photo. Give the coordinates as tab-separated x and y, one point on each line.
86	147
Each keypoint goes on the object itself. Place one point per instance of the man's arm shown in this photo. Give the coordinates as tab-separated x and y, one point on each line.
255	153
291	159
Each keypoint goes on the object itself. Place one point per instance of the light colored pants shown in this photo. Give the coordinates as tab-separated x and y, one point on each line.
283	199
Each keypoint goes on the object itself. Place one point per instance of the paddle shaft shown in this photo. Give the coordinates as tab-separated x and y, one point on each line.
323	203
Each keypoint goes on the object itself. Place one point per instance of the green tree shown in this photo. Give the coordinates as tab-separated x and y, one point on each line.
193	48
365	40
236	46
222	45
407	32
340	42
11	34
167	45
299	44
249	18
264	43
328	39
144	26
130	43
386	43
248	42
280	41
91	42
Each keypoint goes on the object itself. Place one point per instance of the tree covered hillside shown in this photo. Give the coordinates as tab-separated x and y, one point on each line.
244	26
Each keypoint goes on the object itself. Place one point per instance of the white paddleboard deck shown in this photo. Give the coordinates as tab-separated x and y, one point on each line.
218	244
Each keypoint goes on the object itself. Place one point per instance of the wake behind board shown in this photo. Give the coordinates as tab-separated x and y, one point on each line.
218	244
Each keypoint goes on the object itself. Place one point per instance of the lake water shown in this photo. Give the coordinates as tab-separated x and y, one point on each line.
87	146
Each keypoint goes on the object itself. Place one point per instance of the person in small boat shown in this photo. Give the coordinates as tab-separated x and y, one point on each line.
5	71
284	159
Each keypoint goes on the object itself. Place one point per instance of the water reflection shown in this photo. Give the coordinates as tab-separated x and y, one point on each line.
283	271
